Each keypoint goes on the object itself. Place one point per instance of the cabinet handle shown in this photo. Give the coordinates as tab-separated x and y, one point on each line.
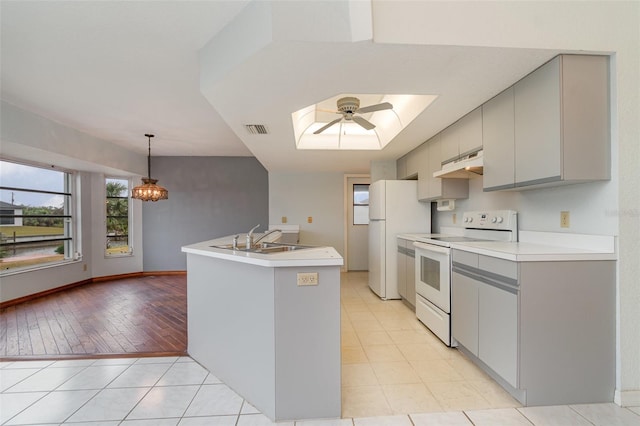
511	288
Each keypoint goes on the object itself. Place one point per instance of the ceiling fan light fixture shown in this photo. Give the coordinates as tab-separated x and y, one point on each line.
352	127
350	105
149	191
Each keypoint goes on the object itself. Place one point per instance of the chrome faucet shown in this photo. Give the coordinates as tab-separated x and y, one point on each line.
265	234
249	240
235	242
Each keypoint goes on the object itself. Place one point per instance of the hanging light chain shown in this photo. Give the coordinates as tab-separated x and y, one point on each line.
149	191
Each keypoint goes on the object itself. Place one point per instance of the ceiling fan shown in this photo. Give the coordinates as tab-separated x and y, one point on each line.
349	106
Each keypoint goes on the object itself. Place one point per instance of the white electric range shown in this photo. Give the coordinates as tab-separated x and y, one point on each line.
433	264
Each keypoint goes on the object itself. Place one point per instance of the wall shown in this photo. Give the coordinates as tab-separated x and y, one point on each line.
29	137
319	195
590	206
26	135
610	27
209	197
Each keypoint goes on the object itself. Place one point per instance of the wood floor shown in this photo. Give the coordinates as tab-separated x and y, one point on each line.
145	315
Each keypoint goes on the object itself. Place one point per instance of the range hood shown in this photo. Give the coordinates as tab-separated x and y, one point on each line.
463	168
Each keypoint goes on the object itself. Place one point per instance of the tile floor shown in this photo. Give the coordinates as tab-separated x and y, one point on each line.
392	364
394	373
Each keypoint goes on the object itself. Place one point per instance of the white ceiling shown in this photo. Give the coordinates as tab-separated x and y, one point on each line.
118	70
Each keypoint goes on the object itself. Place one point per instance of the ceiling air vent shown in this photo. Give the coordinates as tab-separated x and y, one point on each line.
256	129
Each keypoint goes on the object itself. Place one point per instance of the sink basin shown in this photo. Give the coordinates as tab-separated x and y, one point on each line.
264	248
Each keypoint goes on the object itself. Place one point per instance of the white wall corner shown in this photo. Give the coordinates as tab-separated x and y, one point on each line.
627	398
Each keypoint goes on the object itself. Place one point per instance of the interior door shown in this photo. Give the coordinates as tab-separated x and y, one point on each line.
358	224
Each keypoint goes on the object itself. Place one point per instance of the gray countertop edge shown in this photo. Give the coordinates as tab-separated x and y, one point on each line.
316	256
529	252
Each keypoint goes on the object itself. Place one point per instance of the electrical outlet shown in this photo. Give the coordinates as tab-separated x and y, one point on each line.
307	278
310	219
454	217
284	219
564	219
84	266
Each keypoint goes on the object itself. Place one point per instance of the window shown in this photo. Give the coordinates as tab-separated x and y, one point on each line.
36	220
117	217
360	204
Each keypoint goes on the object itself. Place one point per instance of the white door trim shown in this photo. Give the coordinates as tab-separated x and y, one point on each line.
345	215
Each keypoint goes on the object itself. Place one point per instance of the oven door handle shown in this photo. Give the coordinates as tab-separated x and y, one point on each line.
431	247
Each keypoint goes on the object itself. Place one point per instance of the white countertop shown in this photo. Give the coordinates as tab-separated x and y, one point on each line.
312	256
532	252
539	247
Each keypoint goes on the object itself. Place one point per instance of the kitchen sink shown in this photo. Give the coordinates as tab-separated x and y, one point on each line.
264	248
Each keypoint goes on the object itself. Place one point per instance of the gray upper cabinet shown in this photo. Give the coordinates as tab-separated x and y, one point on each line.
401	167
430	188
537	125
415	160
498	136
450	149
561	122
463	137
470	132
551	128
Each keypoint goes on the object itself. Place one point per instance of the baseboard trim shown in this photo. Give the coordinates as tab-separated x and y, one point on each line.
627	398
91	356
30	297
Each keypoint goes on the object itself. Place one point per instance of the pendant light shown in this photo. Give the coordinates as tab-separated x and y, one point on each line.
149	191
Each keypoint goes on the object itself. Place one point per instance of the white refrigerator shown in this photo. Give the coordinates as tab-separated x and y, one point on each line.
393	209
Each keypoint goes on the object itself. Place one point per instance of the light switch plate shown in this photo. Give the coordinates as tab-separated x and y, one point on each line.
307	278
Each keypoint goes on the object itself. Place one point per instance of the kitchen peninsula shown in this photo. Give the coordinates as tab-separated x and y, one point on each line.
268	325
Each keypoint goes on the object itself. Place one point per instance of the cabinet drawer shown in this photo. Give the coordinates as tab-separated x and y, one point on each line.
466	258
438	322
497	266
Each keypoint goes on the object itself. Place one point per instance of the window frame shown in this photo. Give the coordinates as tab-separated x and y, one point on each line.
354	204
70	217
129	234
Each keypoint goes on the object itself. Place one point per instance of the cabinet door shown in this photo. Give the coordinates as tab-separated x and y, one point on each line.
464	311
449	139
401	167
434	158
413	162
498	142
537	126
402	268
470	132
498	330
411	274
423	171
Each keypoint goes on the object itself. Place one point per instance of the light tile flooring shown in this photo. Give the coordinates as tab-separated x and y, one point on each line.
394	373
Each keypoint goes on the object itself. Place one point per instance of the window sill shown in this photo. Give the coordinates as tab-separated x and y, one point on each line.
10	272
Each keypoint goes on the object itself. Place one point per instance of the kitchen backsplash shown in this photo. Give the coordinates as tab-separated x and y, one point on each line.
589	205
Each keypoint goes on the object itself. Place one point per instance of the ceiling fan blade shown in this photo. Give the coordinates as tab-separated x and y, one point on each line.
376	107
325	127
364	123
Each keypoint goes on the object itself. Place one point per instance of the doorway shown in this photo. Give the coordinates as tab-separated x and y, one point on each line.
357	222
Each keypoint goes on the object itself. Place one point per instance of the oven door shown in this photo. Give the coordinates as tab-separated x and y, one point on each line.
433	274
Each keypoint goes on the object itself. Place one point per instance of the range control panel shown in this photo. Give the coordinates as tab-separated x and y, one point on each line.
491	219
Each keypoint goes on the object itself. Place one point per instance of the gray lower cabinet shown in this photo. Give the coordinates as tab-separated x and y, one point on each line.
402	267
406	271
464	299
544	330
498	326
